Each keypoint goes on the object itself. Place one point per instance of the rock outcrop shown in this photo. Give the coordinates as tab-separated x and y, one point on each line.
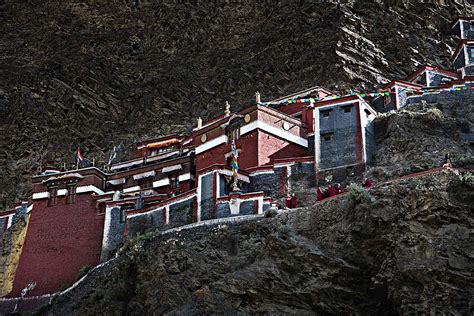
420	135
408	250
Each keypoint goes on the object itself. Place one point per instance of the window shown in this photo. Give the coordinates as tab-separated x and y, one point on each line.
174	182
162	150
347	108
386	100
53	195
472	53
123	215
229	161
327	137
367	112
298	116
233	134
326	113
71	194
349	171
146	183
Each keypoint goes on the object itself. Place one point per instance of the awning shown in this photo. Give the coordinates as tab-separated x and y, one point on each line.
161	183
164	143
172	168
144	175
116	181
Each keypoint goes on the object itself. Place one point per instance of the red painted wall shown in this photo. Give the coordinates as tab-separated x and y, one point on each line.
248	154
271	148
60	240
258	148
292	108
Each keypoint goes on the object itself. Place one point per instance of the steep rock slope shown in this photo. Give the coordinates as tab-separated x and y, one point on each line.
407	250
419	136
93	74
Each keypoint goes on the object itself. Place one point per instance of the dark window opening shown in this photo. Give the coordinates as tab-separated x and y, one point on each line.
327	137
326	113
71	194
53	195
146	184
367	112
386	100
298	116
347	108
174	182
350	171
229	161
123	215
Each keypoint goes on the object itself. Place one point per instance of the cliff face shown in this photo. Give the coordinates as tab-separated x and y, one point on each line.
405	248
419	137
97	74
409	249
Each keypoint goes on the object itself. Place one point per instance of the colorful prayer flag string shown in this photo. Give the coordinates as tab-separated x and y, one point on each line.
373	94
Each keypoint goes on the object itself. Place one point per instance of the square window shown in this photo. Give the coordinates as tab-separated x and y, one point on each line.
347	109
326	113
327	137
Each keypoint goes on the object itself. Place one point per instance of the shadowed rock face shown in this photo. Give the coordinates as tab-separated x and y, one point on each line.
409	250
94	75
420	135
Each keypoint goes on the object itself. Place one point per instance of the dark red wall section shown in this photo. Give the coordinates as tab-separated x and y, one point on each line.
247	144
271	147
60	240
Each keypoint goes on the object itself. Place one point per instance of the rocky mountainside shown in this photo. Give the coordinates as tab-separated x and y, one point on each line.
98	73
419	136
405	249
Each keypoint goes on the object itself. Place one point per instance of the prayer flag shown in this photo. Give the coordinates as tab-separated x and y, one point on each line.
79	156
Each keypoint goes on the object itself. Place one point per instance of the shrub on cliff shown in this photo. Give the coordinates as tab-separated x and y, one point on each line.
358	194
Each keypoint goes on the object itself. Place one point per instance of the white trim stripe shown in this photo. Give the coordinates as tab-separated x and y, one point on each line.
230	173
185	177
144	175
274	131
211	144
131	189
89	188
40	195
62	192
161	183
172	168
80	189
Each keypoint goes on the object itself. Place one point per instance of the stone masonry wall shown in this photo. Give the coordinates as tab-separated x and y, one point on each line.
207	195
181	213
113	231
340	149
443	96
